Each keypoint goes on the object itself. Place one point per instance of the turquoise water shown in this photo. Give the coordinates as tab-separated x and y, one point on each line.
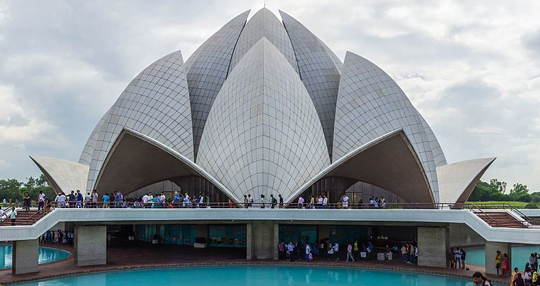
518	258
46	255
256	276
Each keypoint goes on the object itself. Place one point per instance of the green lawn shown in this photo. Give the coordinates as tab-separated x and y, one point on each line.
491	203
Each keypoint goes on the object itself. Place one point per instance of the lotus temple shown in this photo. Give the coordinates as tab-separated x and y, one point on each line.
264	107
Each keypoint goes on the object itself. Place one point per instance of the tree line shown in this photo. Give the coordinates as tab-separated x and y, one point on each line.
14	189
496	190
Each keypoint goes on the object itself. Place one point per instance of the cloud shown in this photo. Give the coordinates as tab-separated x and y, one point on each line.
17	124
471	68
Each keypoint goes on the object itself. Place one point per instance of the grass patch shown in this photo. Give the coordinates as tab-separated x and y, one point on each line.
515	204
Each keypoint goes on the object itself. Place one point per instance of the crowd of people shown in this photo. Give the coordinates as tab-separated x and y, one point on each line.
76	199
57	237
529	276
457	258
354	251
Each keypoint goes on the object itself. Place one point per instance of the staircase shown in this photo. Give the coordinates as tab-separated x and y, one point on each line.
25	218
500	219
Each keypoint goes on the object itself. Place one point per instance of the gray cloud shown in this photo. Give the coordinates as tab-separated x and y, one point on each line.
466	67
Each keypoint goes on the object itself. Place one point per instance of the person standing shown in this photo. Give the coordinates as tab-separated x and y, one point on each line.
280	201
345	201
281	249
79	199
505	265
349	253
95	197
312	203
324	202
355	249
250	201
13	215
290	251
463	255
457	258
498	260
106	200
300	202
41	201
26	202
308	252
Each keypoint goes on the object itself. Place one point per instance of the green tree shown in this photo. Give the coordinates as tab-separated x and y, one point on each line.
10	189
535	197
499	185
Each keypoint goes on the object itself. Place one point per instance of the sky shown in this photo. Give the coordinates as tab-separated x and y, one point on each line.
472	68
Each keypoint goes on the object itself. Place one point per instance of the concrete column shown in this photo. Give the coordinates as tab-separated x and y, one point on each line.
432	246
323	232
202	231
491	253
249	243
90	245
276	241
25	256
260	240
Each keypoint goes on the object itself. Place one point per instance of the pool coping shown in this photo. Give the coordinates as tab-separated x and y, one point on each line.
254	263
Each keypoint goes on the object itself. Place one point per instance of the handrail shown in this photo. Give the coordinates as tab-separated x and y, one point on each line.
472	208
46	209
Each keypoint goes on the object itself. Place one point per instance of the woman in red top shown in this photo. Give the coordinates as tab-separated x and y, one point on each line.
505	265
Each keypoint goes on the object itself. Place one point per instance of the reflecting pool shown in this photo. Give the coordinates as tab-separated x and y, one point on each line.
46	255
255	275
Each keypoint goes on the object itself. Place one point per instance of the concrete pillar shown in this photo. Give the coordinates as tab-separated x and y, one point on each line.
249	242
260	240
323	232
25	256
202	231
276	241
432	246
90	245
491	253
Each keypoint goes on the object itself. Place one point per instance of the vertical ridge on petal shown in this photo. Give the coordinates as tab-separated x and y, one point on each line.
263	134
318	72
264	24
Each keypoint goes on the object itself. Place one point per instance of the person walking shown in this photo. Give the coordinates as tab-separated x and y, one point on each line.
273	201
349	253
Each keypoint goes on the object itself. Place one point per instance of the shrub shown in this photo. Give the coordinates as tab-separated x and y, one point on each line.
531	206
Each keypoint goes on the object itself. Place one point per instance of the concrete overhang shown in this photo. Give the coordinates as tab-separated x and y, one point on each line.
137	160
388	162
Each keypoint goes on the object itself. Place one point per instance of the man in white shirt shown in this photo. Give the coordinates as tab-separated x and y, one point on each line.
336	250
345	201
145	200
325	202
